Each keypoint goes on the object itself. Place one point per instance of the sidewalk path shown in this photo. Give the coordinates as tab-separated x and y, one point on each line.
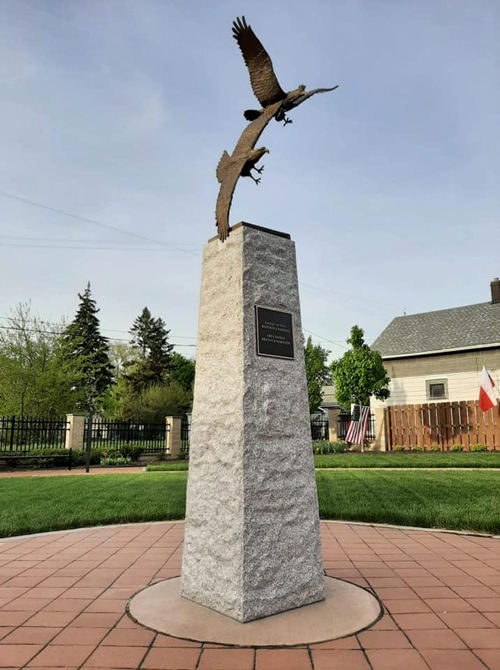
63	597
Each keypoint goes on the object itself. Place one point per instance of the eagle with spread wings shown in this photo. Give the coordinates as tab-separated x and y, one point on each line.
275	104
265	84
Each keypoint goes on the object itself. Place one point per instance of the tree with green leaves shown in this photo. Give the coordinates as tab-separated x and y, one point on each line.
88	350
155	402
317	373
182	371
359	374
35	376
152	350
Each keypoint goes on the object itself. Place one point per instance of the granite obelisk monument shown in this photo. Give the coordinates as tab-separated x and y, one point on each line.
252	545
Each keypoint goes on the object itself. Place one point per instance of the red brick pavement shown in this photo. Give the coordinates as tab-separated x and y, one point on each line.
63	598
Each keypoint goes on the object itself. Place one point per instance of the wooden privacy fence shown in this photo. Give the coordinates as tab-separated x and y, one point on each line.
443	424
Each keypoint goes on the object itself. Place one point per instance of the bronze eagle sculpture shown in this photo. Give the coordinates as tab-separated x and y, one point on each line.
275	104
263	80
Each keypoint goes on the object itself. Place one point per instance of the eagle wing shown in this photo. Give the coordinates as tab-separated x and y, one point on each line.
298	101
230	167
265	85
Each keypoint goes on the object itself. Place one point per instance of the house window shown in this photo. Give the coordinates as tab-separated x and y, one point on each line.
437	389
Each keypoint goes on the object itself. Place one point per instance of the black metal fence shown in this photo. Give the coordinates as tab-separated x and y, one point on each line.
185	432
115	434
28	433
345	417
319	427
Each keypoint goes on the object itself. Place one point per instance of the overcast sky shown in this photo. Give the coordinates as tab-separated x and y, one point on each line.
118	111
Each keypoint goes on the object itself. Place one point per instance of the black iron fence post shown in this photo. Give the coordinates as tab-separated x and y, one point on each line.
13	419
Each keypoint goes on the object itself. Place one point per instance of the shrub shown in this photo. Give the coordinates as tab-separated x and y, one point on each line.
131	451
435	447
339	447
417	449
114	459
478	447
457	447
33	463
325	447
399	448
80	457
321	447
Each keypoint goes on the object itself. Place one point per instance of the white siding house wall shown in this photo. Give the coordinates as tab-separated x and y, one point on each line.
413	390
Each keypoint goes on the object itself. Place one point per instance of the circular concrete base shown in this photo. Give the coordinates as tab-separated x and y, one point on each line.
346	610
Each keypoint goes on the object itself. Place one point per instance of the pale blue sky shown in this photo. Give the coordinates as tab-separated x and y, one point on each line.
118	111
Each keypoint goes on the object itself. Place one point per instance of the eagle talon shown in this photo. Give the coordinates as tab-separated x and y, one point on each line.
286	120
259	170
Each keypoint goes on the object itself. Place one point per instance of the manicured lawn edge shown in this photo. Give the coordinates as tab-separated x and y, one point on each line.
175	466
409	460
381	460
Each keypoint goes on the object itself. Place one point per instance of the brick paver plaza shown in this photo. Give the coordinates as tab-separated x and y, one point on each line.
63	599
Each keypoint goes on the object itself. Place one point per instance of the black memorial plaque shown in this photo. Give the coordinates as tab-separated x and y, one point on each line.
274	333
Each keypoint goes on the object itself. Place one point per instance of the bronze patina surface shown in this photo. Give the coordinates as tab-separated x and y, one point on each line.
275	104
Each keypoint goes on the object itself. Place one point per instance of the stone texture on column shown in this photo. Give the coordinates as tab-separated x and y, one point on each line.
252	542
74	434
333	424
173	436
380	443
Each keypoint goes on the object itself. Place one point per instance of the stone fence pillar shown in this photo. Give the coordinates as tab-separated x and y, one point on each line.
173	441
333	424
74	434
380	443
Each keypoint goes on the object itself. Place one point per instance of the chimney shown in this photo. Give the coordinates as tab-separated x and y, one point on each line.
495	291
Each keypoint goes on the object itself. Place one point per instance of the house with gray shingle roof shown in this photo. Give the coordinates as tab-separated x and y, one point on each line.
438	356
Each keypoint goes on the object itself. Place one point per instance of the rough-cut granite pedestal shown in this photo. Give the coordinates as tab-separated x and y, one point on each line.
252	545
252	542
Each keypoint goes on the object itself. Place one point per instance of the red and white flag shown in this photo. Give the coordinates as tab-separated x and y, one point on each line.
486	392
356	430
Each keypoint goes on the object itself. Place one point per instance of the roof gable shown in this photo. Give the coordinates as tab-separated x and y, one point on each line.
457	328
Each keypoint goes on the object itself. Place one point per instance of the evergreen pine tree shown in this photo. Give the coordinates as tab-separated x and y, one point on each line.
88	350
150	341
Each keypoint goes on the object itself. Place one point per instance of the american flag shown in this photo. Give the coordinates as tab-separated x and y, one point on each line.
356	430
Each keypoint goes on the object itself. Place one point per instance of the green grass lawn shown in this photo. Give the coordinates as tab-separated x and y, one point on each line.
393	459
455	500
162	467
396	459
37	504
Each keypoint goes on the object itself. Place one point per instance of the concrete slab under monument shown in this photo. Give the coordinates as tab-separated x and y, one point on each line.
346	609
